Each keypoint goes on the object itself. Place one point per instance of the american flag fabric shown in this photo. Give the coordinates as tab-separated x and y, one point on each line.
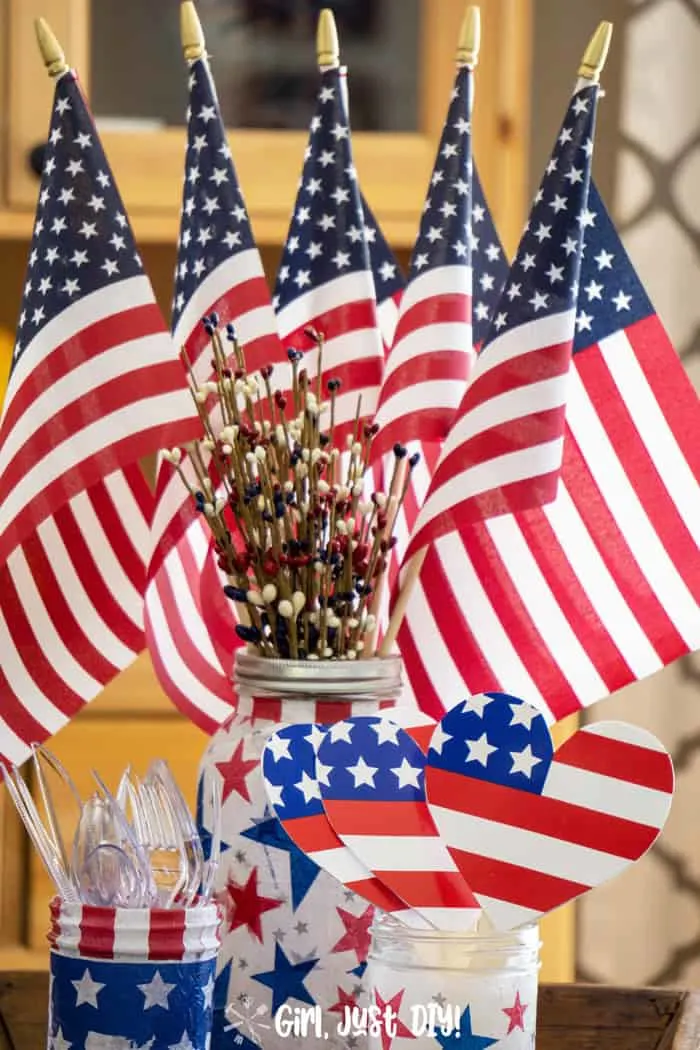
389	281
504	449
147	933
218	270
133	1004
325	277
94	386
569	603
370	775
531	829
291	774
431	357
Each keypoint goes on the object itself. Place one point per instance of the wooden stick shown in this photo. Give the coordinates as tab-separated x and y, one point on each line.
412	574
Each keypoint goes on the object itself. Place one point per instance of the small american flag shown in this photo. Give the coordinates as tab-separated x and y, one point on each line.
431	356
504	449
389	281
291	773
325	279
218	269
373	791
94	386
531	829
571	602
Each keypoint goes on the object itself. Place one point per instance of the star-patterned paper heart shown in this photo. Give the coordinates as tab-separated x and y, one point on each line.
531	829
371	779
290	771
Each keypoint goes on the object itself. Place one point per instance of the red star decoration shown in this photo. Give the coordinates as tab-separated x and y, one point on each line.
245	907
515	1014
392	1027
346	1001
235	771
356	937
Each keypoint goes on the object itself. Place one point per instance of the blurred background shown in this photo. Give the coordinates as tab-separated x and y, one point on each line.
645	927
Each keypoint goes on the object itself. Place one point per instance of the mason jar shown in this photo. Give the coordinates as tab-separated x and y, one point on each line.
294	939
481	987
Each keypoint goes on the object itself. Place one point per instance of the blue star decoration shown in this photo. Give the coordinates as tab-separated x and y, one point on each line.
463	1038
286	981
268	831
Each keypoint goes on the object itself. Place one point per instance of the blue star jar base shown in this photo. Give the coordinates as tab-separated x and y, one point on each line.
131	979
293	937
457	991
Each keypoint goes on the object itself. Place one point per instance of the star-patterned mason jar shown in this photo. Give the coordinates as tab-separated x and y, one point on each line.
456	991
293	937
131	978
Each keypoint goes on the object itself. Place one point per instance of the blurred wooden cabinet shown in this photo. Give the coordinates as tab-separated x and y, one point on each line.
400	57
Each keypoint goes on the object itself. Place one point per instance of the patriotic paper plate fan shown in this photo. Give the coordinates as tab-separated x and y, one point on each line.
531	829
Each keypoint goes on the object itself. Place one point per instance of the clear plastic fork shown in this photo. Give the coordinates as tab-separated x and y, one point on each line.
162	839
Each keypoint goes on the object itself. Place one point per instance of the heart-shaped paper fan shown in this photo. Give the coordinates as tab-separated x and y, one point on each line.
373	792
531	830
289	773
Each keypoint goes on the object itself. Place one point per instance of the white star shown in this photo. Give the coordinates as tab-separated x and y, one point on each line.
322	773
326	94
461	126
117	241
74	167
189	206
460	249
88	229
315	737
586	218
45	285
302	215
110	267
96	203
538	301
34	256
199	143
302	278
292	245
570	245
486	281
55	136
604	260
448	210
193	175
204	235
387	271
362	773
62	105
283	275
583	322
543	233
326	222
476	704
523	715
437	178
565	136
308	787
208	990
218	176
87	990
434	234
58	225
103	178
315	123
185	1043
370	235
500	321
555	273
327	157
198	267
514	292
351	172
539	195
574	175
340	731
524	761
439	739
50	165
462	188
79	258
479	750
386	731
210	205
492	252
339	132
120	219
44	196
580	106
593	290
528	261
406	774
420	261
59	1041
82	140
341	259
278	747
448	150
558	203
551	167
621	301
340	195
207	113
156	992
588	147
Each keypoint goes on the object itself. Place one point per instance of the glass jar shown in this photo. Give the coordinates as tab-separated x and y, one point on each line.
293	937
470	989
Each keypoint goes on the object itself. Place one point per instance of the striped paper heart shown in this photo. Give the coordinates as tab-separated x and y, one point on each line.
290	771
531	829
373	791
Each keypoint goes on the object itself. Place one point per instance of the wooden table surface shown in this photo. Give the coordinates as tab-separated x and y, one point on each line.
570	1017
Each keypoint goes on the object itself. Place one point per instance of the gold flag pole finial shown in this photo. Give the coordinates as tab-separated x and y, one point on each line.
469	38
596	53
327	46
51	50
191	34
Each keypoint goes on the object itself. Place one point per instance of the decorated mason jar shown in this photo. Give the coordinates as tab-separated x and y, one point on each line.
131	978
450	989
292	935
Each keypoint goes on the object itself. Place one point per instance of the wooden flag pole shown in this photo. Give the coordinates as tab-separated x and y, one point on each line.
467	55
191	34
51	50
